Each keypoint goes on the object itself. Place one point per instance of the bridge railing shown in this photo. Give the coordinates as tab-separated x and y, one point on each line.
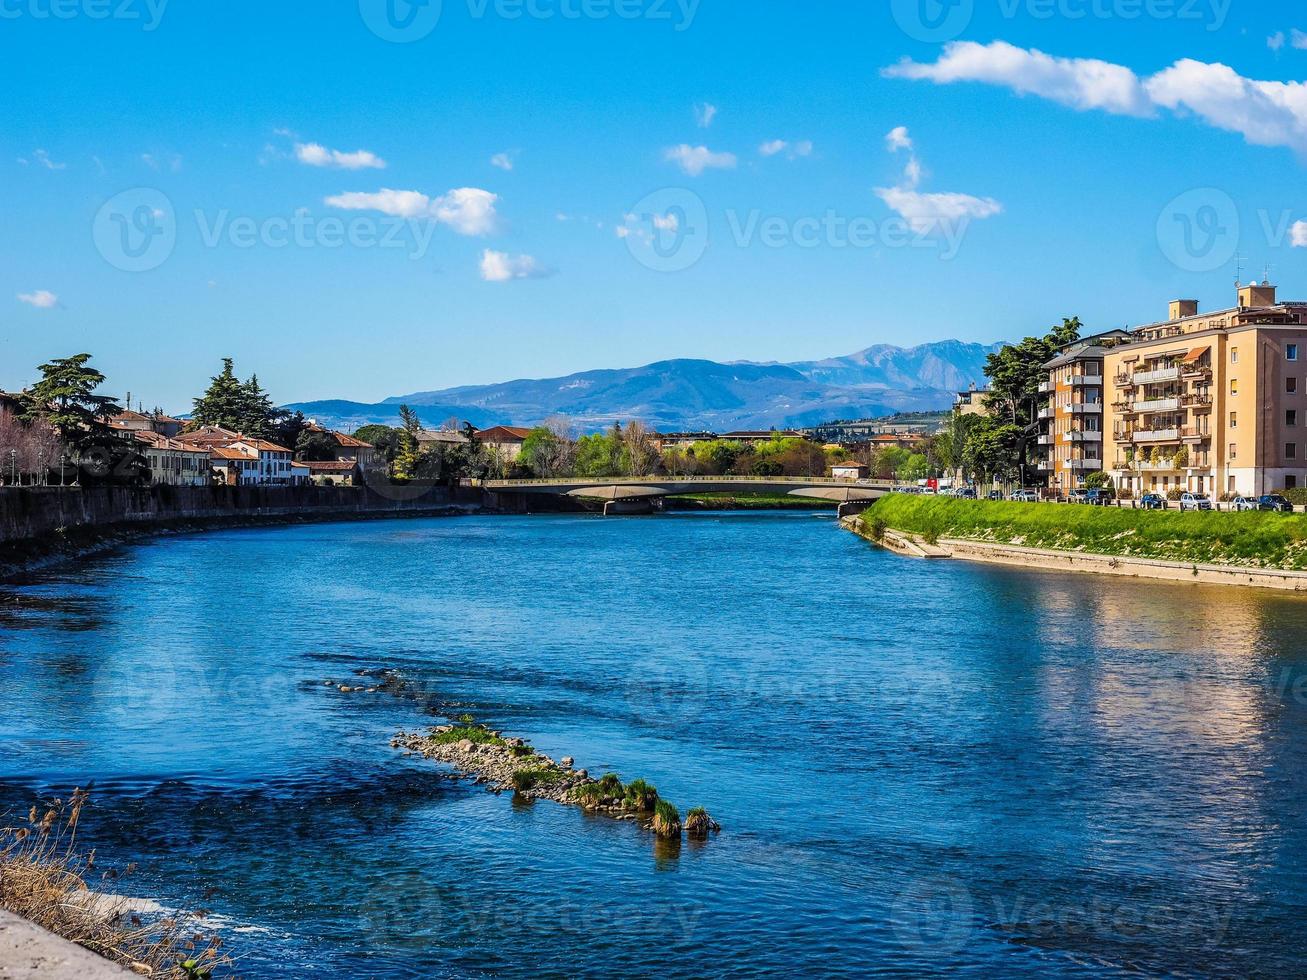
656	481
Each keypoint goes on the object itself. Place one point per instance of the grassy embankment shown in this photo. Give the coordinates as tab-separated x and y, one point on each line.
1252	539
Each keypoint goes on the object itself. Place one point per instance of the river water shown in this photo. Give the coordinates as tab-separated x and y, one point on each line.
919	768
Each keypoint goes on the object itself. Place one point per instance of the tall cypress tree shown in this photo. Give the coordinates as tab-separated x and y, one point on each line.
224	403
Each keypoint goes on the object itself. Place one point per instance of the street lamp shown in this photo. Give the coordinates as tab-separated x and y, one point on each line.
13	467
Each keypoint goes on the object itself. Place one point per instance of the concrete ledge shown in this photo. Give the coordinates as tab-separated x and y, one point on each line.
1170	571
28	952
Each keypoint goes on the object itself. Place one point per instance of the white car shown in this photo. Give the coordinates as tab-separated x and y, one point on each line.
1025	497
1243	503
1191	501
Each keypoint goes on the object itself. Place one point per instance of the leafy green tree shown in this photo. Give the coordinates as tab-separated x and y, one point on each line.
405	464
257	410
887	461
991	449
65	399
1015	374
287	427
224	403
315	447
600	453
915	467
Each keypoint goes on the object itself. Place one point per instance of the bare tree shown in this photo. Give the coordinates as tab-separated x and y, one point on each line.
560	458
27	450
641	453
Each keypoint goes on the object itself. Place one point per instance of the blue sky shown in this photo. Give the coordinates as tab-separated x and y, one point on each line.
1048	158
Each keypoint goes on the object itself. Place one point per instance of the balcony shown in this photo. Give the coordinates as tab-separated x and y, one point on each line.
1045	387
1046	413
1155	377
1192	373
1046	439
1086	380
1199	403
1086	408
1158	405
1086	465
1044	465
1124	380
1191	434
1155	435
1083	437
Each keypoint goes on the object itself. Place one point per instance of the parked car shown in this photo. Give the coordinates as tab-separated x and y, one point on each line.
996	495
967	493
1243	503
1078	497
1152	501
1025	497
1273	501
1192	501
1100	498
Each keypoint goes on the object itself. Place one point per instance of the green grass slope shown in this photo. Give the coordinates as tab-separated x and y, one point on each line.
1260	540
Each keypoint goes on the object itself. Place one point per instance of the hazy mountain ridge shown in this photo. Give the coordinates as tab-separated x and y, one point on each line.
700	394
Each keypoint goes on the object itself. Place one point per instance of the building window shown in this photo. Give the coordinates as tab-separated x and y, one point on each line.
1290	450
1234	355
1234	450
1234	420
1291	352
1291	417
1291	385
1234	386
1291	483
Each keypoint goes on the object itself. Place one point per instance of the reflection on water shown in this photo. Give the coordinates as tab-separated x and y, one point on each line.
920	768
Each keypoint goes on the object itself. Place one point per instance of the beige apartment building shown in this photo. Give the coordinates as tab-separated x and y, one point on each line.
1071	420
1212	403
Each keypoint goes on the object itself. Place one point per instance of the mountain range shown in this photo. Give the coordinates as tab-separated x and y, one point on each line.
693	395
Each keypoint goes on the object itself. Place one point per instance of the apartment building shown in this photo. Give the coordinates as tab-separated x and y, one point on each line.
1071	420
1212	403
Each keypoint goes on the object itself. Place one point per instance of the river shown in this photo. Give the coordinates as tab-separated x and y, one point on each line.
919	768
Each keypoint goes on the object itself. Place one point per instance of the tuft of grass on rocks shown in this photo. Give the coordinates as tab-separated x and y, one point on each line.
666	820
641	796
476	734
528	779
698	822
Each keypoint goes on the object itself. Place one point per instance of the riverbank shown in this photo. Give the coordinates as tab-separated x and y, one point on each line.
1264	550
46	526
743	501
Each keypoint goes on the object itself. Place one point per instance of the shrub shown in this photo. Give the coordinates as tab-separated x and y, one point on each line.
527	779
1175	493
610	784
877	527
1297	496
589	795
477	734
698	823
666	820
641	796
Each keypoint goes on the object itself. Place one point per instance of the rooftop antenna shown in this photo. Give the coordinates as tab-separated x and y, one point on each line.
1266	277
1238	273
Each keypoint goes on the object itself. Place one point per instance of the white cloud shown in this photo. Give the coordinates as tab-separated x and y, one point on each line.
42	299
802	148
1264	113
898	139
317	155
468	210
694	160
929	213
1276	41
1082	83
1298	234
704	114
502	267
41	158
1298	39
504	161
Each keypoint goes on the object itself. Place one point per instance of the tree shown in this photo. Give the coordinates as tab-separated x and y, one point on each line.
991	449
257	410
287	427
65	399
405	464
224	403
315	447
27	448
639	455
1015	374
915	467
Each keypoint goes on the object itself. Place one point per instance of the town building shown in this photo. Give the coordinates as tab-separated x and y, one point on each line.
760	435
164	425
1211	403
504	442
850	471
666	441
428	439
1071	419
347	448
971	401
174	462
332	472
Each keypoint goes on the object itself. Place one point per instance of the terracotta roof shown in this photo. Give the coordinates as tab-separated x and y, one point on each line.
329	465
504	433
342	440
163	442
223	452
263	445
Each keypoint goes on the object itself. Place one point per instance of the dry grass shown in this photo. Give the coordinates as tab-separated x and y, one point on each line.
43	878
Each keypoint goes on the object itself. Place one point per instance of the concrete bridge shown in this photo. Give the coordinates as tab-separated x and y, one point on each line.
637	494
